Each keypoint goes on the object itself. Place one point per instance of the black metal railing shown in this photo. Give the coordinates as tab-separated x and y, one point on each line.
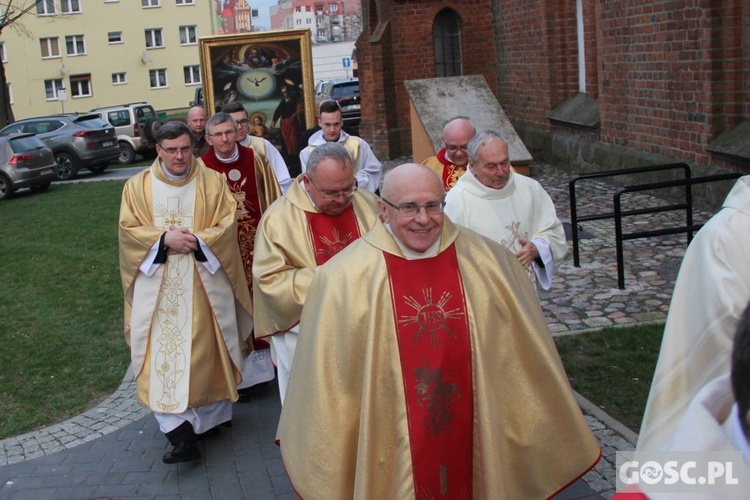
689	228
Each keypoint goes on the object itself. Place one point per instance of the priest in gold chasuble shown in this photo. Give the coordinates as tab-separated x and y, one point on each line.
450	162
187	304
320	214
425	368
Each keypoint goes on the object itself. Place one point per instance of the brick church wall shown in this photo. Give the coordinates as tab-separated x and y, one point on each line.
405	51
668	77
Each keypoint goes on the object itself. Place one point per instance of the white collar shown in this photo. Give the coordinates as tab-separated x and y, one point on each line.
234	157
173	177
411	254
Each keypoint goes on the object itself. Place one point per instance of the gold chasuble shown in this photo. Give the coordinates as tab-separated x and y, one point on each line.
293	239
184	324
352	146
431	378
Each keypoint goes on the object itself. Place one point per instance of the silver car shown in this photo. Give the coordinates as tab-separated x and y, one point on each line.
135	125
77	141
25	162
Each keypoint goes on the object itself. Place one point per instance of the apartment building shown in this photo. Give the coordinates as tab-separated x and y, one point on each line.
75	55
327	20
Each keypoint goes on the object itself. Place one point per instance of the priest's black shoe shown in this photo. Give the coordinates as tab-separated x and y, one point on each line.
182	452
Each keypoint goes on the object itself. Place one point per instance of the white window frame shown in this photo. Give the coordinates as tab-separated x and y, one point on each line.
158	73
186	32
3	54
55	85
192	74
75	39
151	38
185	2
10	93
67	6
76	86
114	37
51	43
150	4
119	78
46	8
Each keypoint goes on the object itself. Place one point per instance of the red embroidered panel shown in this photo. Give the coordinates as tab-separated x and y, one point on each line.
435	350
332	233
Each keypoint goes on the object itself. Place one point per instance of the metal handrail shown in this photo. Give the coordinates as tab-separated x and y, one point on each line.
575	219
689	228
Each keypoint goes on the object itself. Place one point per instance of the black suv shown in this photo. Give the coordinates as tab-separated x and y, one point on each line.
346	92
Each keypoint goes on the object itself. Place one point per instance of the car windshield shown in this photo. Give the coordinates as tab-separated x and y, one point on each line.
346	90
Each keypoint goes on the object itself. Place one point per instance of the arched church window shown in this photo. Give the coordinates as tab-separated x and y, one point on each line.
447	35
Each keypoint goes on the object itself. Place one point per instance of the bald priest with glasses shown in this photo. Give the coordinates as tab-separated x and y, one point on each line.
425	368
321	213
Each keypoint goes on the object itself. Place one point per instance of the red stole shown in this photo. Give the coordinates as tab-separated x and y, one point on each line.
240	176
451	172
331	233
435	349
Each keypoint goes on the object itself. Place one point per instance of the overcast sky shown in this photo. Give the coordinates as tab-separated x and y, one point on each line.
264	18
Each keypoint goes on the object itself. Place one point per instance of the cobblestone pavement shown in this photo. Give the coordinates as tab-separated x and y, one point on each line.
114	450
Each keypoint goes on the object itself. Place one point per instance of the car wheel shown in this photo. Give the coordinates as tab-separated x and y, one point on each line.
38	188
67	166
127	154
6	188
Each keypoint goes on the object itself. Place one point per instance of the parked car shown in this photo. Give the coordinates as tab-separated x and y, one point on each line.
77	141
25	162
135	124
346	92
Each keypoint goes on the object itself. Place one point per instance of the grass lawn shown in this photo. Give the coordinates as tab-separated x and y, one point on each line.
62	347
61	341
613	368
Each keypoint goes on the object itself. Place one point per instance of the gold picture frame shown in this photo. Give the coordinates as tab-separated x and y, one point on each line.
271	73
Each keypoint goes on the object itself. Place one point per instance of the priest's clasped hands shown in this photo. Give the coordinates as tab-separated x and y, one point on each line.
180	240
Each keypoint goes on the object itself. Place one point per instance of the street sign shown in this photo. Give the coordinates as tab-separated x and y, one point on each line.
346	62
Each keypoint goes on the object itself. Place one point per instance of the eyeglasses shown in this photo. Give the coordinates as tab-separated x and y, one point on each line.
173	151
327	195
412	209
242	123
457	148
223	134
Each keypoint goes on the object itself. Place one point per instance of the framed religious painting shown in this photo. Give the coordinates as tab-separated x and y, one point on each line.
270	73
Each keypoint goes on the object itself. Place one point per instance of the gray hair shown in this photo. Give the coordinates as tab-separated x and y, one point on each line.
480	140
332	150
172	130
218	119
